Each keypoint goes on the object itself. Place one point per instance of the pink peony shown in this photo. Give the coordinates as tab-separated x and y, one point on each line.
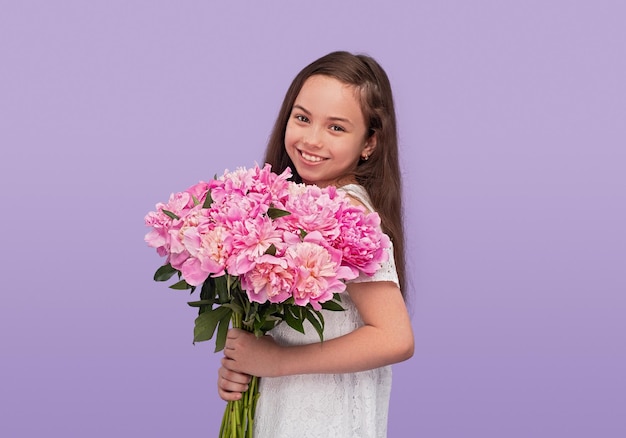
361	241
178	250
161	223
318	271
235	208
251	239
314	209
269	280
209	249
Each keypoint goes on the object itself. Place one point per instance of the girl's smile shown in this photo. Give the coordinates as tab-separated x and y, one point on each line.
326	134
312	158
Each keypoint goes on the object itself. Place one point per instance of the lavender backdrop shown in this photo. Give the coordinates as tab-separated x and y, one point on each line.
512	118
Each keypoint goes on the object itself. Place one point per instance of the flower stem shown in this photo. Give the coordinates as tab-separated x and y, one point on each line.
238	418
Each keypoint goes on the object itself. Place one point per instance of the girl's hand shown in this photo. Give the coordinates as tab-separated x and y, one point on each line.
244	353
230	384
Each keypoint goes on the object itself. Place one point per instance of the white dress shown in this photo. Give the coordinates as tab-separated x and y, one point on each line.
351	405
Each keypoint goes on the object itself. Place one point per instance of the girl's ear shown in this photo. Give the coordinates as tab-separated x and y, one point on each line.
370	145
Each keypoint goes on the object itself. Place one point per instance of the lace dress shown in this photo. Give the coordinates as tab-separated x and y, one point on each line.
328	405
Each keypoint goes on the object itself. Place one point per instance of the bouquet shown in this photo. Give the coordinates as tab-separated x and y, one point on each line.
262	250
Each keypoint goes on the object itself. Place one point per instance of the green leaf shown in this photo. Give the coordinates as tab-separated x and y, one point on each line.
206	322
195	200
170	214
164	273
275	213
293	321
208	201
268	325
318	324
222	332
303	233
182	285
200	303
332	305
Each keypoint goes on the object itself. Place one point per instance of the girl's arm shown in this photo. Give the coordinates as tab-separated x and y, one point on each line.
385	338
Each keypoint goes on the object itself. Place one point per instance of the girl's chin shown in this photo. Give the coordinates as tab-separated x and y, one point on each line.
309	168
308	177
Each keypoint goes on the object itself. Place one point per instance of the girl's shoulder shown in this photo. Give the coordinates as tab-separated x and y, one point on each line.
357	192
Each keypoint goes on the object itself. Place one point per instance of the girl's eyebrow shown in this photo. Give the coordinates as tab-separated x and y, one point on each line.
334	119
303	109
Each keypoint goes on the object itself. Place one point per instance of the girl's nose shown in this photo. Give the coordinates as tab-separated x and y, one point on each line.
312	137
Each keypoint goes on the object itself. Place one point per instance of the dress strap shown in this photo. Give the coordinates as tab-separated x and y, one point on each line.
358	192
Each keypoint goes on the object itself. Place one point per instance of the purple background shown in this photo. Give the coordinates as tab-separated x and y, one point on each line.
512	119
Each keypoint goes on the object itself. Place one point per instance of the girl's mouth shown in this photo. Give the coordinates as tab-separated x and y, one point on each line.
311	158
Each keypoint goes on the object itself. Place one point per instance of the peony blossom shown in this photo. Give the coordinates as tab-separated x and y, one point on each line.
360	241
251	239
269	280
318	271
306	251
315	209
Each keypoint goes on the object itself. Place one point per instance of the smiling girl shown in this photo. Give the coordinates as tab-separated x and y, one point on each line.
336	127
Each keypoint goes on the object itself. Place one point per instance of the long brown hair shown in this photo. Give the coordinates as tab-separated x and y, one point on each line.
380	174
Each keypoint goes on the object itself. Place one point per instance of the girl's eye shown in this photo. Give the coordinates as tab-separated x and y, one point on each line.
301	118
336	128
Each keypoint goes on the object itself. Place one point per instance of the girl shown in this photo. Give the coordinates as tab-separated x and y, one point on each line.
336	126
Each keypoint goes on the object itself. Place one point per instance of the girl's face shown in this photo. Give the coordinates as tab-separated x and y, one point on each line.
326	133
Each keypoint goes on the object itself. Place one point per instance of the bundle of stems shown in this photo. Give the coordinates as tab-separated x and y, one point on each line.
238	419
